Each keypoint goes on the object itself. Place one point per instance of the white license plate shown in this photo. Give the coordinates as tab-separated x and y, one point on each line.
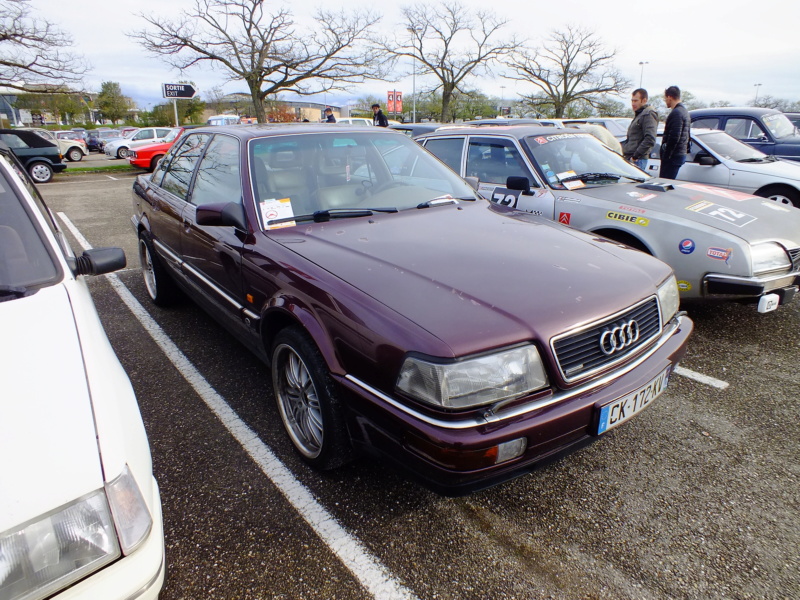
621	410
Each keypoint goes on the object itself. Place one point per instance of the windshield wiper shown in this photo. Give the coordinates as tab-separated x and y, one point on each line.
321	216
11	292
599	176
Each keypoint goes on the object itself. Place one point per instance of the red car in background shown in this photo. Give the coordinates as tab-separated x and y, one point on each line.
147	157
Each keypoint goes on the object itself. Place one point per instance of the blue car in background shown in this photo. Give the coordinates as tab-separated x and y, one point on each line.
765	129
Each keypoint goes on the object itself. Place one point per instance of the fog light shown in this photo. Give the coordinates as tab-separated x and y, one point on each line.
508	450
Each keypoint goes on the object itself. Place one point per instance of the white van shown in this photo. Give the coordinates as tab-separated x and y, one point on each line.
223	120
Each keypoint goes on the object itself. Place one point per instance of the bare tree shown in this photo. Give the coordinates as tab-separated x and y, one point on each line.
573	65
450	43
264	49
32	52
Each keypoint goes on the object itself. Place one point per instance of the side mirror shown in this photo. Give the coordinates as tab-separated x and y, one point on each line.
516	182
222	214
98	261
706	160
473	182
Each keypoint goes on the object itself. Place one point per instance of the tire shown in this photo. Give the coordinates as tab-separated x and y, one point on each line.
781	195
40	172
123	152
154	162
160	287
308	401
74	155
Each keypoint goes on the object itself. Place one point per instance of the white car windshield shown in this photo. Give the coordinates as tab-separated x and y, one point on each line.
730	148
779	126
571	160
303	174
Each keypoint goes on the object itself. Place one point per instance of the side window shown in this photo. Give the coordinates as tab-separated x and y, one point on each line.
13	141
710	123
447	150
494	160
744	129
162	132
178	174
218	177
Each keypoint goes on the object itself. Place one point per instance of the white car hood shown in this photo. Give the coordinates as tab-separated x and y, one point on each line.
47	430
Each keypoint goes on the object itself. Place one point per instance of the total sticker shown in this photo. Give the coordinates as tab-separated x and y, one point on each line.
684	286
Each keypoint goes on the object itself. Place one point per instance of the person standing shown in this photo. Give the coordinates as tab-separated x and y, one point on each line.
379	119
642	130
676	134
329	118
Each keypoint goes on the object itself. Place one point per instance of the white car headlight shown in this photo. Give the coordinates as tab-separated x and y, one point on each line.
55	551
669	299
768	258
475	381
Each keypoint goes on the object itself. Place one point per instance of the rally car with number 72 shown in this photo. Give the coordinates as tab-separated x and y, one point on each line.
722	244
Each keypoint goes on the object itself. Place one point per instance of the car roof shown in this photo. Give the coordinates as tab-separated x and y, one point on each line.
516	131
31	138
752	111
257	130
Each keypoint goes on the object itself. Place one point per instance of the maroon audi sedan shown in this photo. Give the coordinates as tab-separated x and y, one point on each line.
399	312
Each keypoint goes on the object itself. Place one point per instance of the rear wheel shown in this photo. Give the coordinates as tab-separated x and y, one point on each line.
40	172
781	195
160	286
74	154
308	401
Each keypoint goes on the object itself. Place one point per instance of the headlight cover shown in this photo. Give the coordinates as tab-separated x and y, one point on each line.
55	551
768	258
131	516
668	299
475	381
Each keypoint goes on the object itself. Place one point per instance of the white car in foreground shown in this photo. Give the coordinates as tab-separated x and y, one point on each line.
120	147
80	510
717	159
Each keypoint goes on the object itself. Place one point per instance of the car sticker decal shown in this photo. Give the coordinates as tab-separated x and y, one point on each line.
684	286
686	246
716	191
722	213
634	209
720	254
564	218
272	209
632	219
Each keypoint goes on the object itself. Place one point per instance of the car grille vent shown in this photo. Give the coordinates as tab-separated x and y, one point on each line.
794	254
608	342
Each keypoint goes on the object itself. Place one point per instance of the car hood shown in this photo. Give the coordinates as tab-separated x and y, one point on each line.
47	432
477	275
751	218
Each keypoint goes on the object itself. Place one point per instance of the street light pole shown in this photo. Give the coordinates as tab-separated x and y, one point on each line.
413	31
641	73
756	85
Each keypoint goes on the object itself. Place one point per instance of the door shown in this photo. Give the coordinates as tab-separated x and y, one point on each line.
750	131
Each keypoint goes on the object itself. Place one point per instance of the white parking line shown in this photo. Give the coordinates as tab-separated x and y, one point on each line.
699	377
364	566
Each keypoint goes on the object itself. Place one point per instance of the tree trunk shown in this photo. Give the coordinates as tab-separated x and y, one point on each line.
447	96
258	104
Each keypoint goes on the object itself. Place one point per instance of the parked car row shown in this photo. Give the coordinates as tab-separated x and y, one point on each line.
38	156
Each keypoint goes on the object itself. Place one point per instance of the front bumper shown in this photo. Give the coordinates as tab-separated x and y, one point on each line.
730	287
552	425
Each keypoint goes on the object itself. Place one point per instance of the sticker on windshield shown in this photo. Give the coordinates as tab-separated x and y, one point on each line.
573	185
723	213
564	136
272	210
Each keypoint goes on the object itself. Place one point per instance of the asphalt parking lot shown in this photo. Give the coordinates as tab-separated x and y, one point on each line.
697	497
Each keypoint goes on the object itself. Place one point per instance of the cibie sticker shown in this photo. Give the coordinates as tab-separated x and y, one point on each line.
272	210
684	286
686	246
632	219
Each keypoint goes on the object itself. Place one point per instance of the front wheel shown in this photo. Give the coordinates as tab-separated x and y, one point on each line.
154	162
74	155
781	195
308	402
160	286
40	172
123	152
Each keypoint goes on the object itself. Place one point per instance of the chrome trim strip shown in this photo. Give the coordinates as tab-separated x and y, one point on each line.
757	280
183	265
490	417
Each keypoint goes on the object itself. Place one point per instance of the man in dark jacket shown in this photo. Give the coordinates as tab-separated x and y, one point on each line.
676	134
642	130
379	119
329	118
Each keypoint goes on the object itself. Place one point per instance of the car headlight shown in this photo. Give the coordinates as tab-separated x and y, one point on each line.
57	550
669	299
769	257
475	381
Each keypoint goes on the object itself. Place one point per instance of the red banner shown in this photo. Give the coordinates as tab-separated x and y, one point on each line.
390	102
398	102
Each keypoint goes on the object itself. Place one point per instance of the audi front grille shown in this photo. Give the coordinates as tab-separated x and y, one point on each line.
587	350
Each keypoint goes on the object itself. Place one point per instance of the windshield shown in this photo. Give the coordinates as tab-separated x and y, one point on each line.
729	147
779	126
173	133
24	258
564	157
302	174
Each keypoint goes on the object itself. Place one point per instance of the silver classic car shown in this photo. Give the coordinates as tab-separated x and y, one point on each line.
721	243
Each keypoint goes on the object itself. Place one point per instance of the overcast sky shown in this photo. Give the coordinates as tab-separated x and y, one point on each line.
716	49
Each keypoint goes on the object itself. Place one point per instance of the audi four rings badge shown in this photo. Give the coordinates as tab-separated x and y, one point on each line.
620	337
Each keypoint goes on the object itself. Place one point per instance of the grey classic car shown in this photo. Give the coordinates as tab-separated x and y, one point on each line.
722	245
